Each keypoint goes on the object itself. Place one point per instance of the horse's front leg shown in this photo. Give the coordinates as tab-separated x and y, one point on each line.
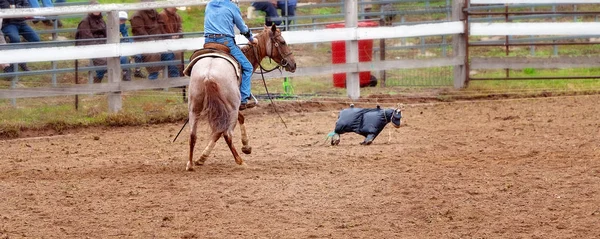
213	140
245	148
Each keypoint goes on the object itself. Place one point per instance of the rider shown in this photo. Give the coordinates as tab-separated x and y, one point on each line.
219	18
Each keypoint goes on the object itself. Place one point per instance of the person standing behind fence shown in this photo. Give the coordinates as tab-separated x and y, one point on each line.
287	10
2	42
93	26
172	25
124	30
14	27
269	7
45	3
147	23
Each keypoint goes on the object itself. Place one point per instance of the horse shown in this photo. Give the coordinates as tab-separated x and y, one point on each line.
214	92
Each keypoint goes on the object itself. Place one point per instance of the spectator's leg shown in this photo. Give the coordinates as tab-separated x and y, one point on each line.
99	76
290	11
153	76
153	71
12	32
126	71
138	71
47	3
172	69
34	4
30	35
270	11
2	42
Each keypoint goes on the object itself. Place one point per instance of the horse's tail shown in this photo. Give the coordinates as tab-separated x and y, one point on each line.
216	110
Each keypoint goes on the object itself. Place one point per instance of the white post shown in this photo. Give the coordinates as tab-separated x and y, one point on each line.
459	45
113	63
352	79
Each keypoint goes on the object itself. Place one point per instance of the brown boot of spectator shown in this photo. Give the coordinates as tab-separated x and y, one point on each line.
139	74
24	67
8	69
126	75
97	80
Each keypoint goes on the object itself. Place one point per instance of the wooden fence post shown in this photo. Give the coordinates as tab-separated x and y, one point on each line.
352	78
113	63
459	45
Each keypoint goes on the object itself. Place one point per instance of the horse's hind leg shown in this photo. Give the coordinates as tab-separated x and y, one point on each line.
193	125
245	148
213	140
228	138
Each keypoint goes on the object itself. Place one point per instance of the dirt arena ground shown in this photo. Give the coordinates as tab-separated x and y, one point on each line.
521	168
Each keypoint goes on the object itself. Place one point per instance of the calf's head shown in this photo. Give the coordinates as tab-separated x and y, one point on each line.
394	116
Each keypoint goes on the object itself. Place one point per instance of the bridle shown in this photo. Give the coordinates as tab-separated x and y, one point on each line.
275	45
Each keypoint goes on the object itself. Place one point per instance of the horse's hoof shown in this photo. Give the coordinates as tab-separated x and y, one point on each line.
247	149
200	161
189	168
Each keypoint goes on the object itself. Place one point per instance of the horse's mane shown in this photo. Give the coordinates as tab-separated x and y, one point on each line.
260	36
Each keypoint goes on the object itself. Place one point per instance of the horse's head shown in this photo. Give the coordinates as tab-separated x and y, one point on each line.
278	50
395	115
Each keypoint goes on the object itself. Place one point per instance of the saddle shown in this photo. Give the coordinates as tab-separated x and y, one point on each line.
212	49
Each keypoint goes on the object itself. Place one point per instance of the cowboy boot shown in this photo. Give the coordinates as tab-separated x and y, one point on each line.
126	75
8	69
138	73
24	67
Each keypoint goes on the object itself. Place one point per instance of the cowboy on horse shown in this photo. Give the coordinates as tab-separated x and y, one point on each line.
220	17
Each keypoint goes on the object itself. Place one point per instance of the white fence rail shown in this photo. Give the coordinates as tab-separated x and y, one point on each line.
188	44
534	1
351	35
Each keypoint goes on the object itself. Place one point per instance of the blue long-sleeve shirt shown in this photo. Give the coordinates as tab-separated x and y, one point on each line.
219	16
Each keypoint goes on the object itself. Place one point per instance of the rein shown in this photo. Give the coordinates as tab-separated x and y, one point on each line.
262	74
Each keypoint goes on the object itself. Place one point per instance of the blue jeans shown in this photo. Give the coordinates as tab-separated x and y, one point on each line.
269	9
172	69
13	30
291	12
36	4
138	58
247	67
100	73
